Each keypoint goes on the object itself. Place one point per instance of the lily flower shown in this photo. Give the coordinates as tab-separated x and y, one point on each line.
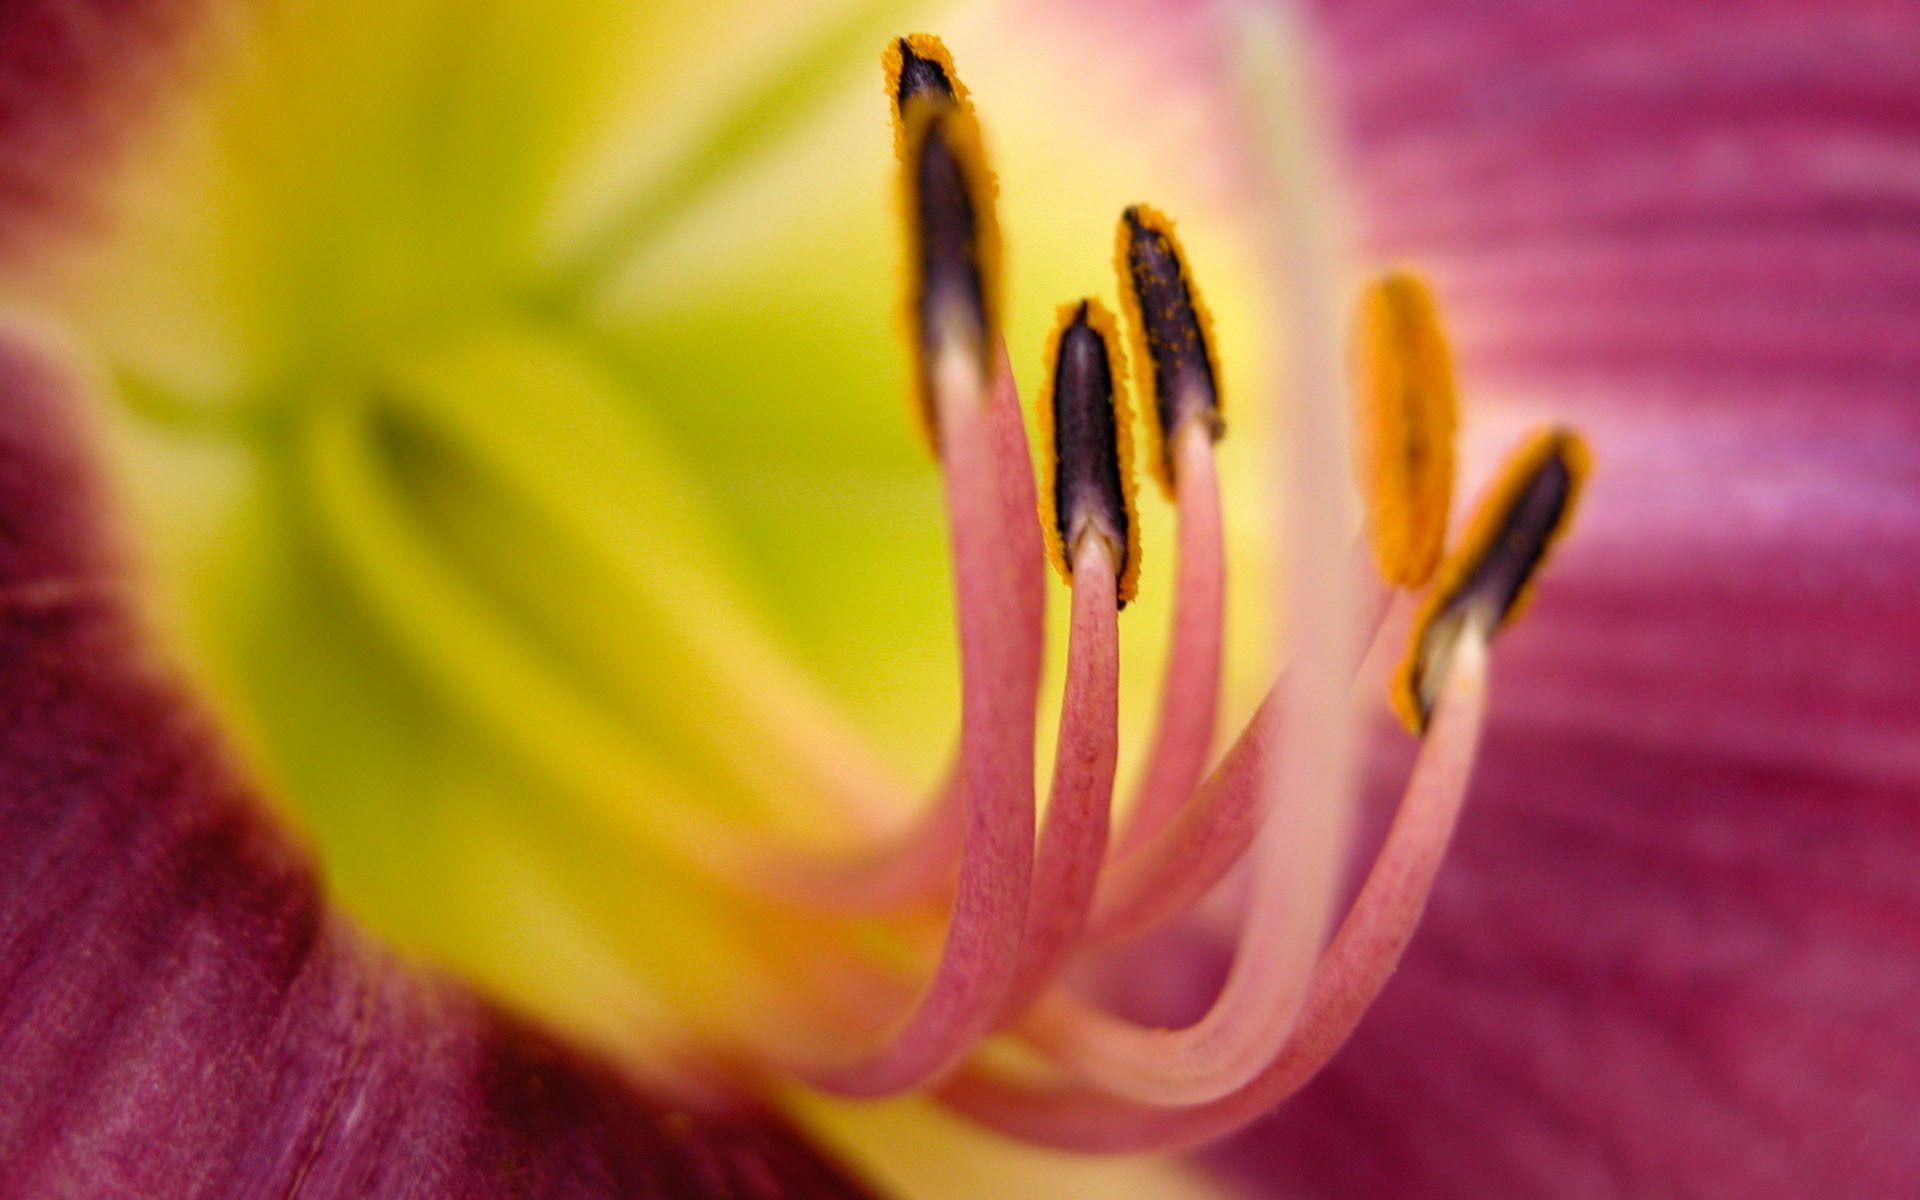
358	475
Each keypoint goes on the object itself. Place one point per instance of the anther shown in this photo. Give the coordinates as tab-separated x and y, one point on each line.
1404	395
1173	343
1087	434
954	255
1173	356
1484	584
918	65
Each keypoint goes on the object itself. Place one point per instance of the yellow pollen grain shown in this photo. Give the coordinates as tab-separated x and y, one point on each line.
920	119
1158	449
1102	322
1405	405
1481	540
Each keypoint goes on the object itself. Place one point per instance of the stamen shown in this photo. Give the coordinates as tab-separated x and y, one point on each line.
1358	962
1405	397
1301	844
1172	339
1087	512
925	858
1086	425
1173	335
921	85
906	870
970	402
955	242
1000	684
1484	584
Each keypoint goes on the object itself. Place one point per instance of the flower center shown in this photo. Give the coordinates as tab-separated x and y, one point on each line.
1018	908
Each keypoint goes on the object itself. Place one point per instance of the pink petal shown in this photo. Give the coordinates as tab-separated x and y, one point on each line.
75	76
1677	948
180	1014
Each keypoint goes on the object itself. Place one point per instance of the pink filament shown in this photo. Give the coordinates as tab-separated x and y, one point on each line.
1166	875
913	867
905	870
1190	694
1347	979
1000	638
1075	837
1163	877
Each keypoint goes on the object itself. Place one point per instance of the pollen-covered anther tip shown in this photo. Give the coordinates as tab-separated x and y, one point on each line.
1406	407
1172	336
1088	489
1486	583
918	66
953	237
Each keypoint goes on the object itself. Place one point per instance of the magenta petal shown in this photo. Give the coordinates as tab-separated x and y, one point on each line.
1676	951
180	1013
73	76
